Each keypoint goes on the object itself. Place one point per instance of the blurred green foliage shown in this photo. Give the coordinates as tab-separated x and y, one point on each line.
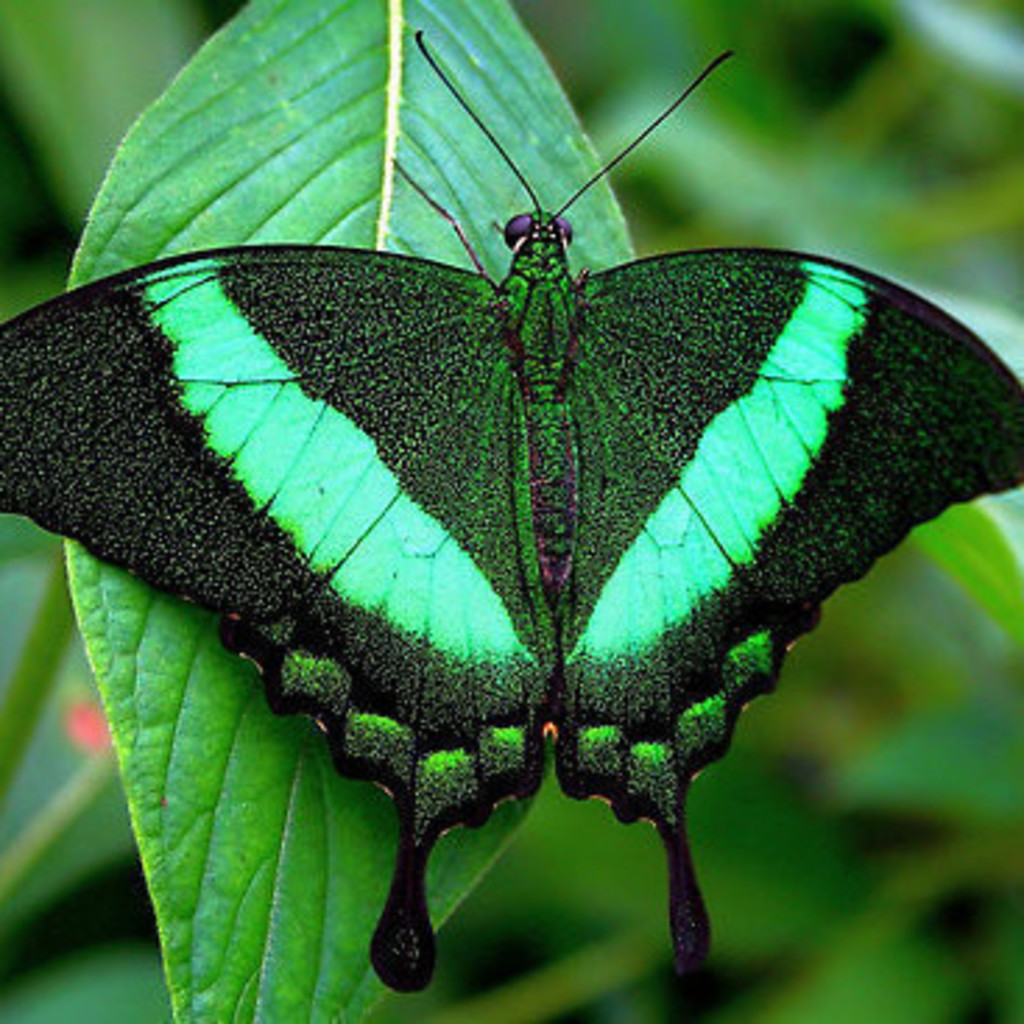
862	847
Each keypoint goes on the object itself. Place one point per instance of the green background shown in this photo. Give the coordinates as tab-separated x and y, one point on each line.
862	847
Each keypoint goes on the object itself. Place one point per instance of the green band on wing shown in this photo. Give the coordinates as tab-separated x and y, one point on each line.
319	477
750	463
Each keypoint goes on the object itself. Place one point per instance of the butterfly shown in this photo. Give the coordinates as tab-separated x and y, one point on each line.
450	518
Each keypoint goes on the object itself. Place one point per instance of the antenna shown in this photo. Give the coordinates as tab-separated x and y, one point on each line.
664	115
420	42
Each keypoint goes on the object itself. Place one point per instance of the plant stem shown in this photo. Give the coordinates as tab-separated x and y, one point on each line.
67	804
35	674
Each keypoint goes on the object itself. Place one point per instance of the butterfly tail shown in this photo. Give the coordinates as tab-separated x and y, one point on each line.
403	950
688	918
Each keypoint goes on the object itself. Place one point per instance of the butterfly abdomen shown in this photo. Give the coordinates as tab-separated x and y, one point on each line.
552	461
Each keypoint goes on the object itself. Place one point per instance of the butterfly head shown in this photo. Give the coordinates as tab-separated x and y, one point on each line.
538	231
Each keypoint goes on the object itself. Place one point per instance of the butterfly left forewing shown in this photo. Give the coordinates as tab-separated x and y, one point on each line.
787	421
313	442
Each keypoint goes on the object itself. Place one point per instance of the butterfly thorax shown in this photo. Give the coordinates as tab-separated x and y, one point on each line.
540	335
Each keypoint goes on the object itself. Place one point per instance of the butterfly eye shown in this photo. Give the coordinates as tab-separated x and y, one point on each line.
518	228
564	229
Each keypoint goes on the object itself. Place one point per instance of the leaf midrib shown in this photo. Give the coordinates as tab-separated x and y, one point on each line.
392	99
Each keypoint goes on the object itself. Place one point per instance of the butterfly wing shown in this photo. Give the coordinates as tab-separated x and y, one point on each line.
756	428
316	443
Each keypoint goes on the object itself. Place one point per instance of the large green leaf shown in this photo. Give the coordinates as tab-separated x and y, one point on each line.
267	871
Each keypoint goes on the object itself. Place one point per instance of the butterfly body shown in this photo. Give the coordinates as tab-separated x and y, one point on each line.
539	298
447	517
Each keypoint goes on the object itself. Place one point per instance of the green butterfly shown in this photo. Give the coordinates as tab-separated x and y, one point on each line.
448	517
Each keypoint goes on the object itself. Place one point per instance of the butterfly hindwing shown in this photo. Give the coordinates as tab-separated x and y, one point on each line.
756	429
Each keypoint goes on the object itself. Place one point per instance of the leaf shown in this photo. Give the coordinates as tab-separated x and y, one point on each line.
20	538
962	764
64	819
872	972
973	543
48	50
266	869
124	981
